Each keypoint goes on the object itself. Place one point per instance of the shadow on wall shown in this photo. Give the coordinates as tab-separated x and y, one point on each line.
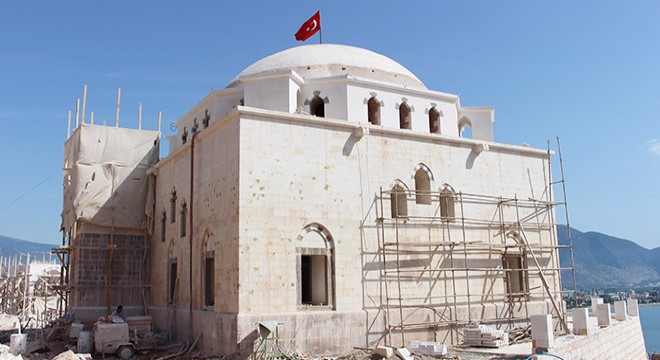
246	346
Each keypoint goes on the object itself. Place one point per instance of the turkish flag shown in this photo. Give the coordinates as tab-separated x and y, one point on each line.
310	27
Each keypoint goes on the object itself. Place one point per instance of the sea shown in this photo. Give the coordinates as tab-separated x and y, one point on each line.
650	318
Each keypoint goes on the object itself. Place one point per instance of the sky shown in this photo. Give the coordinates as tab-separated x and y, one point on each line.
586	71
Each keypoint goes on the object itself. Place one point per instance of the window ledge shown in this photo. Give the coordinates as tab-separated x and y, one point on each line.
315	307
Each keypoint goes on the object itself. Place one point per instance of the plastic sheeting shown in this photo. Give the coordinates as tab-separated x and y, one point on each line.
105	176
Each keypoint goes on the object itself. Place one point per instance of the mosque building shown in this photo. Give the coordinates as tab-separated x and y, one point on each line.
325	194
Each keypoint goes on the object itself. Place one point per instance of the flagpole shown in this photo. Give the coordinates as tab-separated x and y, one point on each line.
321	36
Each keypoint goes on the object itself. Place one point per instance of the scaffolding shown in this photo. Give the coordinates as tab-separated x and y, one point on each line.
107	219
88	275
27	288
473	259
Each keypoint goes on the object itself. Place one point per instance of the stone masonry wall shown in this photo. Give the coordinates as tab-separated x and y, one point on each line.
621	340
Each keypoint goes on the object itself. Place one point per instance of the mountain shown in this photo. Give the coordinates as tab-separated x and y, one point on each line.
10	246
603	261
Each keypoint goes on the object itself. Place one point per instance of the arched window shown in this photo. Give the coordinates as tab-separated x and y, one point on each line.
172	277
404	116
184	213
317	106
163	225
465	128
447	203
316	266
373	111
434	121
399	201
173	206
209	278
422	186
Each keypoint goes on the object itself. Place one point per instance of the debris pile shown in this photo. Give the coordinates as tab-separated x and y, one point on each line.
485	336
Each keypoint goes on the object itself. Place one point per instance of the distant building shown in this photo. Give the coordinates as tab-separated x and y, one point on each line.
325	189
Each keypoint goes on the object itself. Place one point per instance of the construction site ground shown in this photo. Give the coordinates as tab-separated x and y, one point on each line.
49	342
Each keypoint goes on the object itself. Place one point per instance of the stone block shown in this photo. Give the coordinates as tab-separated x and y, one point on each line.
542	330
581	321
403	353
428	347
620	311
384	351
74	330
604	313
543	344
595	301
632	307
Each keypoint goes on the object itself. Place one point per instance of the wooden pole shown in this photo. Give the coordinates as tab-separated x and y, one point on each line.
140	116
118	103
84	102
91	118
77	111
160	116
68	128
25	288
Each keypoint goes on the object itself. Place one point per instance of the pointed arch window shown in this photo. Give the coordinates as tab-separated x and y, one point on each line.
173	206
404	116
316	266
317	106
182	225
172	283
209	278
398	201
163	225
434	121
373	111
422	186
447	203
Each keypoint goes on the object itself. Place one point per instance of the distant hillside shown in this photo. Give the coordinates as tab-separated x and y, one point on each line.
605	261
10	247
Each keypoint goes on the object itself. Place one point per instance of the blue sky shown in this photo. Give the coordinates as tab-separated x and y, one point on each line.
587	71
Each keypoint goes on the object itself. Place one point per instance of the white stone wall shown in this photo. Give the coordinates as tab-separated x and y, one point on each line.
262	176
215	226
621	340
296	172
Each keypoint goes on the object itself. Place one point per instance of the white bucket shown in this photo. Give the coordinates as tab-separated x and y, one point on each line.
18	344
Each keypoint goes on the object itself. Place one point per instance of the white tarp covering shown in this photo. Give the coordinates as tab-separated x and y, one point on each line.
105	176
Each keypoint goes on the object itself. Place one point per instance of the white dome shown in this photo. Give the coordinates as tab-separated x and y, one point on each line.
319	61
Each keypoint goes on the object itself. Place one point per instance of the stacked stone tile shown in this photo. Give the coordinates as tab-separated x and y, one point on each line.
485	336
428	347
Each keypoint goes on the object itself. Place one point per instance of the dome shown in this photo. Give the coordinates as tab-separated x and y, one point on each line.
325	60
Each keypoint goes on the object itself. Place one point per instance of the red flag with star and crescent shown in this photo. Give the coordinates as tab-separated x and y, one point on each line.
310	27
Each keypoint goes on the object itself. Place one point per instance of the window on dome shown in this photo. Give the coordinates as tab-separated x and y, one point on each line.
317	107
465	129
373	110
404	116
434	121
